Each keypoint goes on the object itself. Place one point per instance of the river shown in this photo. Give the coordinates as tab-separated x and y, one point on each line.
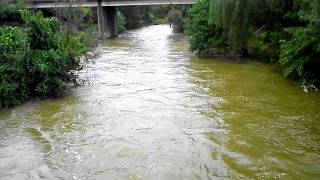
148	109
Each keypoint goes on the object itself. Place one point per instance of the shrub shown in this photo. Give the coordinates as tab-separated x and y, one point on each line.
121	22
53	55
13	79
37	61
76	44
48	70
10	11
42	32
300	55
206	39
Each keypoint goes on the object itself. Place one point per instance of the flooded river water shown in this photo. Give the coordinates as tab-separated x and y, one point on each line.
151	110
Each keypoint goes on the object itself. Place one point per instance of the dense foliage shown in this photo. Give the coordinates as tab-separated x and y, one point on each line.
9	11
206	39
36	60
300	53
121	22
285	31
13	79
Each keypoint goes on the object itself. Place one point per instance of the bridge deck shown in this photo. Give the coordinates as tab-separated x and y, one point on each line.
94	3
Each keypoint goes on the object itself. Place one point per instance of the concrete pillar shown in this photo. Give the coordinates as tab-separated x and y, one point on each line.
107	21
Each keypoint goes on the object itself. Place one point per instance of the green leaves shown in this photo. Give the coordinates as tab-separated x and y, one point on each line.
36	61
10	10
206	39
13	81
300	55
12	44
42	32
121	22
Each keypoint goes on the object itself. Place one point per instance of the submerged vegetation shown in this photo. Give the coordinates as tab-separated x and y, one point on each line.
284	31
37	58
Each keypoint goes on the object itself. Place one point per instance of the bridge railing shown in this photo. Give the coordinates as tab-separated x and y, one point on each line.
94	3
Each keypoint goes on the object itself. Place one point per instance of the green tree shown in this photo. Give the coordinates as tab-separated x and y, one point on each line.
233	17
300	54
206	39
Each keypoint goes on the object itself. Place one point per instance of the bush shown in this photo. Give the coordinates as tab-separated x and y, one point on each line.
13	79
42	32
76	44
300	55
37	61
48	70
206	39
121	22
10	11
52	55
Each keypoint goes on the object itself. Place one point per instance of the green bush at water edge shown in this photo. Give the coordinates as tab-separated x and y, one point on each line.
300	53
205	38
37	60
13	76
121	22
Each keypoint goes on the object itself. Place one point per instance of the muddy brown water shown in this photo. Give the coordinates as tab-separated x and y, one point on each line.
151	110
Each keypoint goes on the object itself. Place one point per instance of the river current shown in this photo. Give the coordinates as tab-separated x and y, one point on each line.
149	109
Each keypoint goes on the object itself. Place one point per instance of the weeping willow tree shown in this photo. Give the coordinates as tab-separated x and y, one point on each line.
233	17
240	18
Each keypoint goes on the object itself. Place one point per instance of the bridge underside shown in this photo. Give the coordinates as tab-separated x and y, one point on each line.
92	3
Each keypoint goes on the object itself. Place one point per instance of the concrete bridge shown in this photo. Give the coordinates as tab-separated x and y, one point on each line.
106	9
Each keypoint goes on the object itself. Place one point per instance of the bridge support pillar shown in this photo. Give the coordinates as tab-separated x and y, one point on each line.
107	21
